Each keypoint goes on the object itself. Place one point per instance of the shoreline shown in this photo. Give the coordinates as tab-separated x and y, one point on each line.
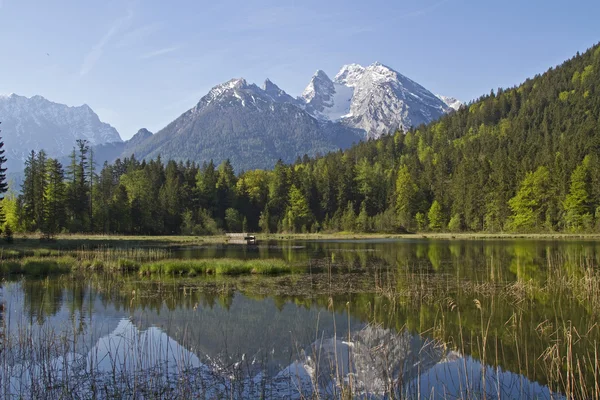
78	240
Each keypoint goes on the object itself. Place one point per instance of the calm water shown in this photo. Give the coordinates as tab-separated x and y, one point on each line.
410	316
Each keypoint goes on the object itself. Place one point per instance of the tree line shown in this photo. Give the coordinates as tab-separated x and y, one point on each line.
523	159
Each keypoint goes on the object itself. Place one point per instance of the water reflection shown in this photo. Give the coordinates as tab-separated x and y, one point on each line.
427	338
500	260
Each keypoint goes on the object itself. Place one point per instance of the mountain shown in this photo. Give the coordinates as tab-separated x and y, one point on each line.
251	126
450	102
109	152
375	99
36	123
254	127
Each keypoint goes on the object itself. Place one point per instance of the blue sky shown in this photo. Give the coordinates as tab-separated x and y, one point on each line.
143	63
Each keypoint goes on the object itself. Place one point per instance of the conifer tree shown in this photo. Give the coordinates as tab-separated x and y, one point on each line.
435	216
54	217
578	210
3	183
27	198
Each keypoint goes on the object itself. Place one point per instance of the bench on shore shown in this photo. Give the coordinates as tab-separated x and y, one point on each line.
240	238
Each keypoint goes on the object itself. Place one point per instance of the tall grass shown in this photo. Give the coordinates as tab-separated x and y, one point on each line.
38	266
217	266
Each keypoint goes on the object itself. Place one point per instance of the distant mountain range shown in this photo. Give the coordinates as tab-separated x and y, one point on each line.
36	123
250	125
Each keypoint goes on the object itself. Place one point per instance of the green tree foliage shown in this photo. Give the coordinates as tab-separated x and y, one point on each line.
3	183
234	220
530	204
298	215
578	206
33	197
454	225
436	217
406	190
54	196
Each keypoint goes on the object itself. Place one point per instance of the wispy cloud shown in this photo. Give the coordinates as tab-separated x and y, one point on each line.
137	35
161	52
96	52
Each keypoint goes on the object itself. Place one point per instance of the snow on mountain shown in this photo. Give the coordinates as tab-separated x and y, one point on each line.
325	99
36	123
450	101
375	98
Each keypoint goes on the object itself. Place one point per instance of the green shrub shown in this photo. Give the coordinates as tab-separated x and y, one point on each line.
128	265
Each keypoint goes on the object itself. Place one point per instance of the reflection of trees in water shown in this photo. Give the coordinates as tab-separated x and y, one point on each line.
42	299
502	260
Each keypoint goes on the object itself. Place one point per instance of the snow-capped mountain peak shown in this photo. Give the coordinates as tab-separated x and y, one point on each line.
376	99
319	84
349	74
452	102
325	99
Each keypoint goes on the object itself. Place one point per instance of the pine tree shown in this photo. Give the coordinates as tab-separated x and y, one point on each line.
435	216
530	204
298	213
362	220
3	183
406	191
55	196
27	197
577	205
39	189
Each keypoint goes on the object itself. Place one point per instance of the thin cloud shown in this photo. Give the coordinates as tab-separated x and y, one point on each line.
96	52
138	35
160	52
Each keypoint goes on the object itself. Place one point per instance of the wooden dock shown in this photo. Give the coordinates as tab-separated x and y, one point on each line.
240	238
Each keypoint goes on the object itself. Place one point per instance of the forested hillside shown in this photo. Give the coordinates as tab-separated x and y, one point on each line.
519	159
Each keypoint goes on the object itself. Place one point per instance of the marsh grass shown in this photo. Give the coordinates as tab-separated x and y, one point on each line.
38	266
217	266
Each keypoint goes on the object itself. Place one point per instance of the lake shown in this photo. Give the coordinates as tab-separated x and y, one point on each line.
412	318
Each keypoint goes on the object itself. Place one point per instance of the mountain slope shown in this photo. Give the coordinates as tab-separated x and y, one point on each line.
36	123
376	99
109	152
248	125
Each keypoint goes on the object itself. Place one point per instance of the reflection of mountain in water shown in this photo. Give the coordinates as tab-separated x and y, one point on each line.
374	362
253	347
257	330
